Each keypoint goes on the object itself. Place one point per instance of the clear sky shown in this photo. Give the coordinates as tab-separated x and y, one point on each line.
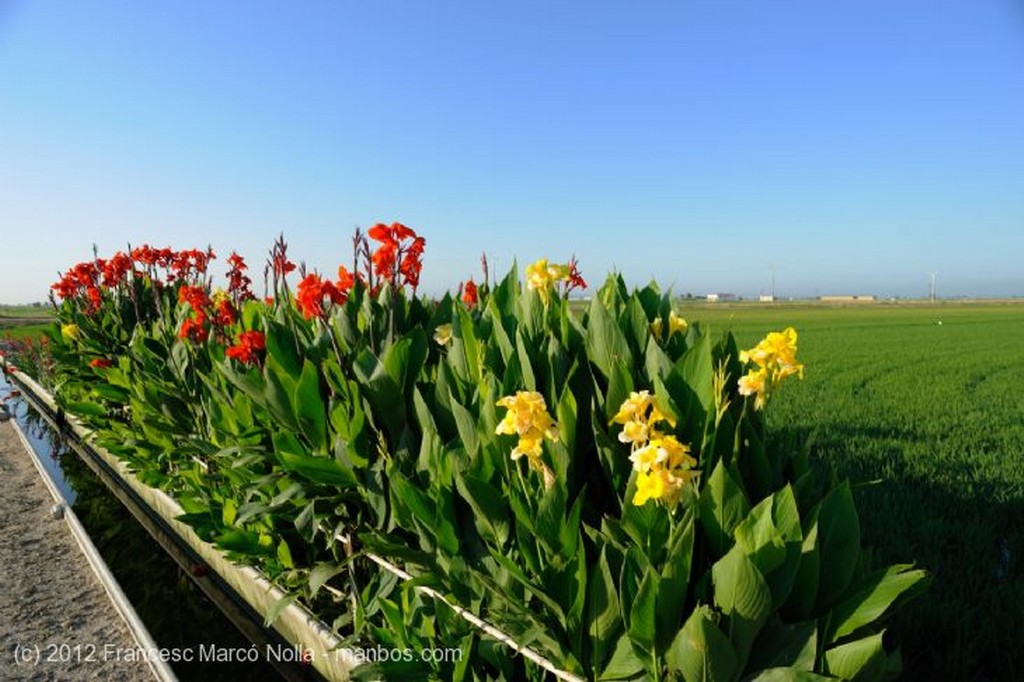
855	145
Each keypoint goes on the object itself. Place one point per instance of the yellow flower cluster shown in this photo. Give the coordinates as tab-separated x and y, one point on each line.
663	464
70	332
528	418
676	325
775	360
542	277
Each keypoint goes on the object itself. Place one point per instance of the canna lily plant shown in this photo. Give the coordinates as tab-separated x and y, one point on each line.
654	532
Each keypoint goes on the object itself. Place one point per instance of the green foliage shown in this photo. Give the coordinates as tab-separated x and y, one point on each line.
359	426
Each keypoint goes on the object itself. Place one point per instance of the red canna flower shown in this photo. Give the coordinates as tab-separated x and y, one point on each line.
470	294
238	282
311	293
224	313
575	278
194	329
346	280
247	350
196	297
101	363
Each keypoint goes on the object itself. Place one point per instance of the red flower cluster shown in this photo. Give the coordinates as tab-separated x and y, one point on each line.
195	328
239	284
470	295
248	347
101	363
399	258
86	280
314	289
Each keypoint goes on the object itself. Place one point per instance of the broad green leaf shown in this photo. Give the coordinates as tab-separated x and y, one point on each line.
490	512
722	505
862	660
604	624
697	369
743	595
643	615
785	646
869	599
675	579
281	346
624	663
701	652
838	543
310	410
467	425
606	344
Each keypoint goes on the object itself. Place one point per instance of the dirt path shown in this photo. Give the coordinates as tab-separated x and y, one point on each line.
56	622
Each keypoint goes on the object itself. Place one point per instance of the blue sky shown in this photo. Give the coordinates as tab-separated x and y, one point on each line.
855	145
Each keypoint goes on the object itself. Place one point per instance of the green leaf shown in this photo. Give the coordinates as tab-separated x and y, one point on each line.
743	595
602	609
780	645
862	660
605	342
642	615
84	409
281	346
310	408
723	505
466	423
869	599
701	652
320	574
325	470
675	579
697	369
490	513
838	543
624	663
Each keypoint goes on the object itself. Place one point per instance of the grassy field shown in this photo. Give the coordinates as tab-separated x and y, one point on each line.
23	321
920	405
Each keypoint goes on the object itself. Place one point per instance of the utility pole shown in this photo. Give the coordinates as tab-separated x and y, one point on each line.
773	282
931	296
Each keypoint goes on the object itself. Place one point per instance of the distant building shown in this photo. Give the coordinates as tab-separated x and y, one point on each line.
715	298
766	298
846	299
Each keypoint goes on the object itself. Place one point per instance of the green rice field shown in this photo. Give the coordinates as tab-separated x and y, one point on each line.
921	407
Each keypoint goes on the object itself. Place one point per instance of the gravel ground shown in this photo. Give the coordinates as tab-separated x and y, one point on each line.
56	621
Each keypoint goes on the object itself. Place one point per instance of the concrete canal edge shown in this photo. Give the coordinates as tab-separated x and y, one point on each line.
61	508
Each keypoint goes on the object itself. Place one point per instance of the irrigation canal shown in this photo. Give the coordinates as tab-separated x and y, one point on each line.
56	621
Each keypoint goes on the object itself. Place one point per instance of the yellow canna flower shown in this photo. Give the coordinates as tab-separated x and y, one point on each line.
656	328
634	432
528	418
443	334
676	454
634	407
775	357
647	457
538	278
70	332
542	277
676	324
651	485
753	383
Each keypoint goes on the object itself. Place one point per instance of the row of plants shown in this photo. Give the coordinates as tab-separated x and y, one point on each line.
595	481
